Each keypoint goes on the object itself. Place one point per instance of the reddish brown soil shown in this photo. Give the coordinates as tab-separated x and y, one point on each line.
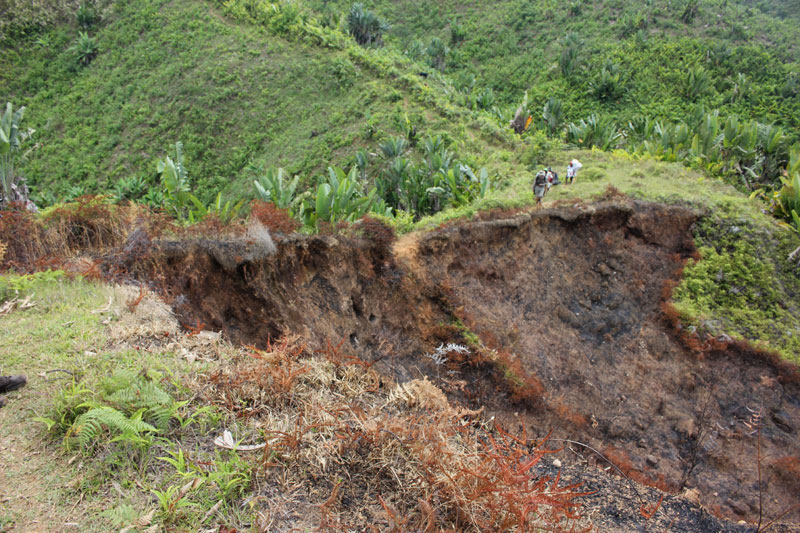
567	305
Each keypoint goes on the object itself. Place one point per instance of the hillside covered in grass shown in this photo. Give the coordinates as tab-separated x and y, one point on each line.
241	98
615	58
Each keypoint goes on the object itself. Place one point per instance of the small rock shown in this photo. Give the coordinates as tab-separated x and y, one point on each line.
693	495
782	420
604	270
556	463
738	507
686	426
651	460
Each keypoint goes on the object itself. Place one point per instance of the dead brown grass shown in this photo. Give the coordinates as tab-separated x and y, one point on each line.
371	454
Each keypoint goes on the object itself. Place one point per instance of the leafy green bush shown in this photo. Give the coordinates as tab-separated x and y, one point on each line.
131	188
271	187
176	186
569	60
457	32
340	198
437	53
594	131
787	199
608	85
11	139
697	82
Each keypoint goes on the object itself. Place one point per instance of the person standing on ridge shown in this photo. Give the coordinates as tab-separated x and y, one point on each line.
570	173
540	186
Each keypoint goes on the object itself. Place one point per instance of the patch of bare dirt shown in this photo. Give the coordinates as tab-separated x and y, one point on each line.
561	309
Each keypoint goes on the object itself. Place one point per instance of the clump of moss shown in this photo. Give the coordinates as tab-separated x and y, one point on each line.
743	286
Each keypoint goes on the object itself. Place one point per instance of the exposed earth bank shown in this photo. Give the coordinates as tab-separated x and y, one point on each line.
563	313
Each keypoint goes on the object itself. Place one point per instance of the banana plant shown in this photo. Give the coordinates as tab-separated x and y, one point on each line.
225	211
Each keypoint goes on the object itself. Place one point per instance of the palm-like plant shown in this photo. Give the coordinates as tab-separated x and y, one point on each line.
86	15
592	131
176	186
393	147
11	139
608	86
366	27
437	54
271	187
569	60
697	82
553	114
340	198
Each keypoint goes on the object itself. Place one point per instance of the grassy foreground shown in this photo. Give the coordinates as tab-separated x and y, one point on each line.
74	340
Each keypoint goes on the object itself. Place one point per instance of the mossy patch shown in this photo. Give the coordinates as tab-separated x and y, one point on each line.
744	285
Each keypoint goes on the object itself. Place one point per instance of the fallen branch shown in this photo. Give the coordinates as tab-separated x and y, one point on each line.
606	459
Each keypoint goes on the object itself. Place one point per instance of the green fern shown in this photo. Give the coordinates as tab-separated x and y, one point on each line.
100	419
129	393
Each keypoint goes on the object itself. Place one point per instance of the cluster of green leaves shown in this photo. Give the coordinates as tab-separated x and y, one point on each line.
194	486
398	183
426	187
181	202
785	201
20	285
748	152
365	27
11	139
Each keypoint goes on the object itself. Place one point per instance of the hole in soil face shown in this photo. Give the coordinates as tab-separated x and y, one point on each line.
566	305
358	305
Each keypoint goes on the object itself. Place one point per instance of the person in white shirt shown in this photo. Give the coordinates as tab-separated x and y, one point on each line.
571	171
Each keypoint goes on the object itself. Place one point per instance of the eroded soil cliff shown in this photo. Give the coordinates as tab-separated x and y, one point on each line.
562	313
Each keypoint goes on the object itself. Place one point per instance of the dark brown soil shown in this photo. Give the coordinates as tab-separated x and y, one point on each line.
567	305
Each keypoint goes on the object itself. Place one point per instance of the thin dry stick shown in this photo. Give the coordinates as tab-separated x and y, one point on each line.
700	437
774	520
606	459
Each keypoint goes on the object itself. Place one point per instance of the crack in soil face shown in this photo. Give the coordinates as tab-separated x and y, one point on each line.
562	308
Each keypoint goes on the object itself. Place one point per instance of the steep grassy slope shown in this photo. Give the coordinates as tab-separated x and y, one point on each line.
514	46
233	93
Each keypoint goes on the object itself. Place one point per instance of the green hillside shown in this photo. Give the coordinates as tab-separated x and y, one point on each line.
512	46
239	96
